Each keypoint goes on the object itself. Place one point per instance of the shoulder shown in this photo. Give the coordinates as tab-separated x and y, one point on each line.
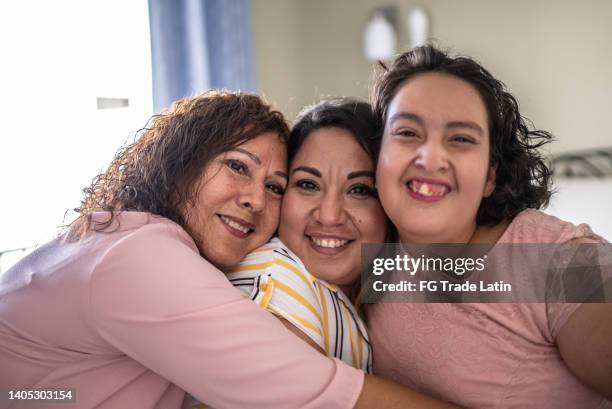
273	258
535	226
148	250
143	232
275	279
287	266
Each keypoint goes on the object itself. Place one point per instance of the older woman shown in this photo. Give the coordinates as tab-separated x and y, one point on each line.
458	164
330	208
128	308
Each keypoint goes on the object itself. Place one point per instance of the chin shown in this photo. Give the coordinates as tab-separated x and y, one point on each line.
221	260
333	277
423	234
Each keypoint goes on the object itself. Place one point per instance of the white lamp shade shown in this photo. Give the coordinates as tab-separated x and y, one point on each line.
418	27
379	39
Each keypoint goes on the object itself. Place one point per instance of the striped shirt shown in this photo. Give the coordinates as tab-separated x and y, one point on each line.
276	279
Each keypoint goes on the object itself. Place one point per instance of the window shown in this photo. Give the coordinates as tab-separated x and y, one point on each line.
76	85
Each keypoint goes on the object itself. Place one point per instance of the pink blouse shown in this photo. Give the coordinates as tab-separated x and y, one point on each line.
485	355
133	317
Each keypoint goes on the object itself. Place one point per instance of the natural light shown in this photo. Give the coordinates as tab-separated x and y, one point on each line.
63	62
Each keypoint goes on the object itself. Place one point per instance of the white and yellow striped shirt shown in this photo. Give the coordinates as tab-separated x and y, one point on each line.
275	278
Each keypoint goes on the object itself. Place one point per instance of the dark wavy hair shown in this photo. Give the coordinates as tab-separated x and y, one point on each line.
346	113
158	173
523	180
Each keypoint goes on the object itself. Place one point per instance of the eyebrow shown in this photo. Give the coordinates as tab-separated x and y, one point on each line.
466	124
258	161
307	169
282	174
254	157
405	115
451	125
352	175
361	173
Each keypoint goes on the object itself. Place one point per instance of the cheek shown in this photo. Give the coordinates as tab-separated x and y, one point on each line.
388	187
385	160
290	217
371	222
472	176
392	164
196	216
272	216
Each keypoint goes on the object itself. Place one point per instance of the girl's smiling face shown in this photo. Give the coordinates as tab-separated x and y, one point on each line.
433	169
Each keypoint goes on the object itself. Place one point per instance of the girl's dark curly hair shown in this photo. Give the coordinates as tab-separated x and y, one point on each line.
159	172
523	179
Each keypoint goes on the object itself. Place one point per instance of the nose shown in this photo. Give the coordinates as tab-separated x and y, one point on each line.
330	210
432	157
253	197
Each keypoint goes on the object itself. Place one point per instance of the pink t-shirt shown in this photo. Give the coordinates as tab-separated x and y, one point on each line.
485	355
134	317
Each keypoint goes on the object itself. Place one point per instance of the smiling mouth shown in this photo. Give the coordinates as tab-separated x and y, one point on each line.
428	189
329	242
237	225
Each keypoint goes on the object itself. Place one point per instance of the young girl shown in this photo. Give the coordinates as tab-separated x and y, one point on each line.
459	165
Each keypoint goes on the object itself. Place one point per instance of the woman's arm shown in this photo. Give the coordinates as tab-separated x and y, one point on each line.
384	394
585	338
154	299
378	392
301	335
585	343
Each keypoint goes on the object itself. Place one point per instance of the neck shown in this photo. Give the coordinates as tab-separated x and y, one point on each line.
346	289
464	235
472	234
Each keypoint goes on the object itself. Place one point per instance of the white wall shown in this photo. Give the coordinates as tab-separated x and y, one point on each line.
554	55
277	53
584	201
57	58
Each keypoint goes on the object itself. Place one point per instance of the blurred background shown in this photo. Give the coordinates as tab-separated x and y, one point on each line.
79	78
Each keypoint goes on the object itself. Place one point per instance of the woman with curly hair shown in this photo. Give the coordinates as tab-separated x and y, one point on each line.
458	164
129	308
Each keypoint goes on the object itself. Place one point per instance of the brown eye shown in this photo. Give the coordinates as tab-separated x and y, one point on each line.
305	184
406	133
237	166
462	139
362	191
276	189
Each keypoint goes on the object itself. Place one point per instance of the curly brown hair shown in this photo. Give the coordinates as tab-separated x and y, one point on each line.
158	173
523	180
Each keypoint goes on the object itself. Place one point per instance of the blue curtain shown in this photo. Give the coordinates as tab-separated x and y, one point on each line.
198	45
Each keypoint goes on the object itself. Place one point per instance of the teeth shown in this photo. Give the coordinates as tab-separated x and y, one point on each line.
427	189
328	243
424	190
235	225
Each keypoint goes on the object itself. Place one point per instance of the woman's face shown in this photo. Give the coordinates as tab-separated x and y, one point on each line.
433	169
237	207
330	207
